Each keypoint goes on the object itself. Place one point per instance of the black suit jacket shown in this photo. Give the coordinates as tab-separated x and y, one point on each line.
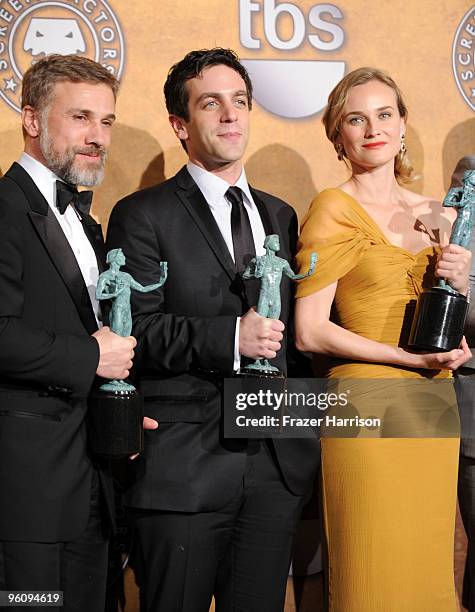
185	333
47	366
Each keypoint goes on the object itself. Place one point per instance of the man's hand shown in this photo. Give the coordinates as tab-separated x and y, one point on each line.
148	423
259	337
115	354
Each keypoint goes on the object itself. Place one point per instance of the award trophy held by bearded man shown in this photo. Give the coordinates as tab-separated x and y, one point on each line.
116	409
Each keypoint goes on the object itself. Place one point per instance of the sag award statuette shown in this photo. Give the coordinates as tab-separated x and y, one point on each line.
269	269
440	313
116	409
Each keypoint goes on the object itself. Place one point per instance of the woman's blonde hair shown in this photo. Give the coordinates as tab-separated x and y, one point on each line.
337	100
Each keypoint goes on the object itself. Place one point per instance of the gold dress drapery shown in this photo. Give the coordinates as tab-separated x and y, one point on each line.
389	503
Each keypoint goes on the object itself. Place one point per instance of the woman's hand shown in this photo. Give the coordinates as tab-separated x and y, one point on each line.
315	333
453	265
450	360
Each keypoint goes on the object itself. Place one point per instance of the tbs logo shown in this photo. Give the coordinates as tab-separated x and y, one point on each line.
292	88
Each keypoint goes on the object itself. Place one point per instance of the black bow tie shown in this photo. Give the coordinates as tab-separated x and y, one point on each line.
68	194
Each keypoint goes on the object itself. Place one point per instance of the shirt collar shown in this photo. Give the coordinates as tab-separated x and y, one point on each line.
43	177
214	187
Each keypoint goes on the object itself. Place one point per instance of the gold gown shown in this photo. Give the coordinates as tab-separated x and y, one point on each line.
388	503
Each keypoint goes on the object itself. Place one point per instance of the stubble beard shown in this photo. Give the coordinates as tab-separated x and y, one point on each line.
64	164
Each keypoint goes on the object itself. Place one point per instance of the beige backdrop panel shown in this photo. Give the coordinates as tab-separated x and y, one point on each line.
291	158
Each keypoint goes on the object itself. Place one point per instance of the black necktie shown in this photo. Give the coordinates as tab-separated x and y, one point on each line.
68	194
243	242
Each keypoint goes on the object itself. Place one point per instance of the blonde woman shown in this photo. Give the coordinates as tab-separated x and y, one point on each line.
389	502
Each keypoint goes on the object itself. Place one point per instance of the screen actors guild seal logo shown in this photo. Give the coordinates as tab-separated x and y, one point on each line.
54	36
30	31
463	57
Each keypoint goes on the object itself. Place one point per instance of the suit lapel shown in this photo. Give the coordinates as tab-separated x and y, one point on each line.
251	287
264	213
196	205
56	244
272	226
93	231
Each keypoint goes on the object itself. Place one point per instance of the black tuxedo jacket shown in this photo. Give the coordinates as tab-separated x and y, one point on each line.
185	333
47	366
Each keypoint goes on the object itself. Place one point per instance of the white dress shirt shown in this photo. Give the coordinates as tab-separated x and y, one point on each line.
70	223
213	189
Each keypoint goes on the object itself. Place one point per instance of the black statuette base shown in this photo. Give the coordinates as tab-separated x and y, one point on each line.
115	423
439	321
253	373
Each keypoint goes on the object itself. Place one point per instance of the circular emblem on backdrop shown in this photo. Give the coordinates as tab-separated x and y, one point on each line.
463	57
29	32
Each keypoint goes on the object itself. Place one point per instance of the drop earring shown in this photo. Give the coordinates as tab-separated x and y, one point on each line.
403	148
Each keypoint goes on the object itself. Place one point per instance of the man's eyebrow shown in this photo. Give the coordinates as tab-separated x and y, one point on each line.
83	111
88	112
218	94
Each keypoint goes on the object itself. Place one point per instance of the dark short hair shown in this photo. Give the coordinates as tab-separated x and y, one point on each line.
39	80
191	66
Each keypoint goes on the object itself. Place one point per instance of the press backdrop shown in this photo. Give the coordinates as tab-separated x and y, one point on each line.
296	51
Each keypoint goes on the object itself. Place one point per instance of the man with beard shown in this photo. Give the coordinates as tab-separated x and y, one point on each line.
52	343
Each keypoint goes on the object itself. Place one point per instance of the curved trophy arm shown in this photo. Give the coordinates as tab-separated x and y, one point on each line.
311	269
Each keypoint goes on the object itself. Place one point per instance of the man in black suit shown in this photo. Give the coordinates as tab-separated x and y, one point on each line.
212	515
51	348
465	389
